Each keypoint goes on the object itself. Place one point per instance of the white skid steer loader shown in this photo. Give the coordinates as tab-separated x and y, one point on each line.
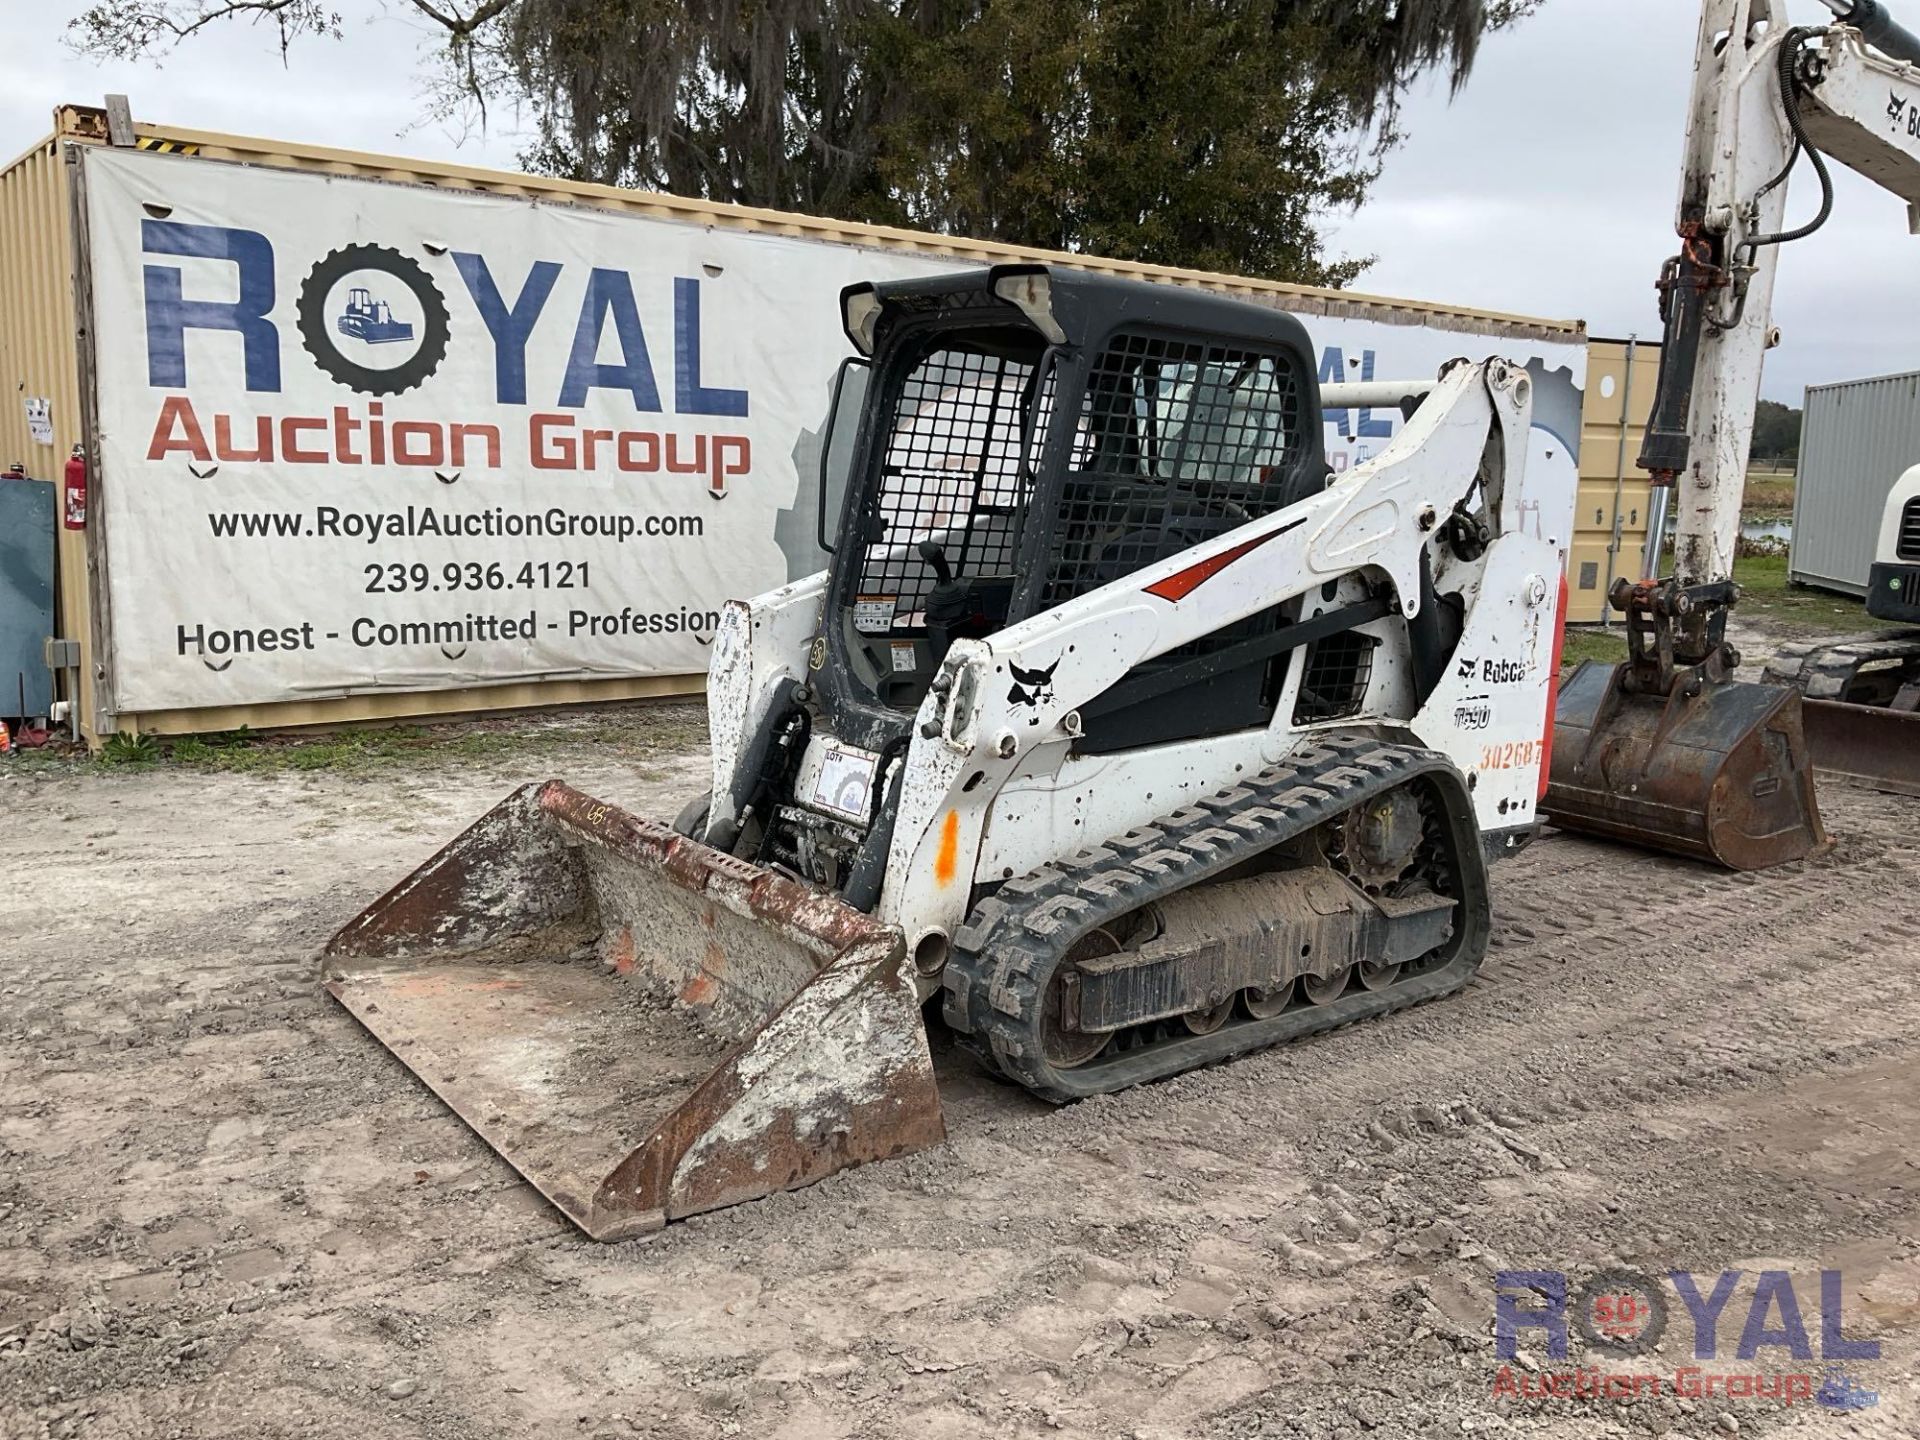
1119	731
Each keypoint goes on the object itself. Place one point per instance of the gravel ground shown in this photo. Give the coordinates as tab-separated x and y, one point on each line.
225	1211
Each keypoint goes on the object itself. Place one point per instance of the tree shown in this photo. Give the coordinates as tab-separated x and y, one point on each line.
1776	432
1208	133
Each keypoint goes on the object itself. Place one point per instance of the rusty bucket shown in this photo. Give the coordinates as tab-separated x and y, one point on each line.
644	1027
1721	774
1872	745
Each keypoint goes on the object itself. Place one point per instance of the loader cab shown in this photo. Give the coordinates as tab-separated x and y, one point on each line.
1026	434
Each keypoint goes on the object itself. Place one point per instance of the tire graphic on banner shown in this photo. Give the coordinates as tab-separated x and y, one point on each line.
366	319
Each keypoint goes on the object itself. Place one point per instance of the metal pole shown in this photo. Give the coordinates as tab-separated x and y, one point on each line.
1367	394
1658	501
1619	478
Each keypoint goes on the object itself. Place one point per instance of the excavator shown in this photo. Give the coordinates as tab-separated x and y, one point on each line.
1120	737
1668	750
1863	691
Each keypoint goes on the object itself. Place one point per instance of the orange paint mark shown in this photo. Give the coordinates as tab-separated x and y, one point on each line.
946	862
700	989
620	951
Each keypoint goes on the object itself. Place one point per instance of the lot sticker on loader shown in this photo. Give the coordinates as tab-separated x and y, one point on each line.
846	782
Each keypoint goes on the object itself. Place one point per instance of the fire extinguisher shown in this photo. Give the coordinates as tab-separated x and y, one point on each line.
74	511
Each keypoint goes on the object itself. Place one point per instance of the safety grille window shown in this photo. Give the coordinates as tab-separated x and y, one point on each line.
952	473
1334	685
1908	545
1178	441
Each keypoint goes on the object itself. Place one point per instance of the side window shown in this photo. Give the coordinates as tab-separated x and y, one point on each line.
836	451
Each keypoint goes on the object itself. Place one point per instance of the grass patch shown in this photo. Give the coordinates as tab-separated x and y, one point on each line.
1768	496
633	734
1586	642
1767	599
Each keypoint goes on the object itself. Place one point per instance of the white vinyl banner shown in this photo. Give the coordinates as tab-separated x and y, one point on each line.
359	436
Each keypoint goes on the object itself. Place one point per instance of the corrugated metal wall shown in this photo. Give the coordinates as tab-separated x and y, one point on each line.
1857	438
37	352
34	223
1610	516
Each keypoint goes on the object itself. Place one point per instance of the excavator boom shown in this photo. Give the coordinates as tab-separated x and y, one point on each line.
1669	750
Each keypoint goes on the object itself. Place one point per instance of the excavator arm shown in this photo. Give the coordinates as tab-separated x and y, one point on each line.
1764	96
1667	750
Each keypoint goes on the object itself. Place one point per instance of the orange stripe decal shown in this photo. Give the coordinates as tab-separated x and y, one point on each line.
1184	582
946	862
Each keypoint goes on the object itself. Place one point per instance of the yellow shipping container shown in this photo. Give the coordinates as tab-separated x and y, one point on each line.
39	350
1610	515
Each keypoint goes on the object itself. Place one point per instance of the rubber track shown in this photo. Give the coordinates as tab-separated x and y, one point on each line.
1005	955
1822	669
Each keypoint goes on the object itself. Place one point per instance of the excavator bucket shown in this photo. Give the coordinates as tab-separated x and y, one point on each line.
1870	744
644	1027
1721	775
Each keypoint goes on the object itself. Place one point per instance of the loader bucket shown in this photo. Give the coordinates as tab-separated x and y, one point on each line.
644	1027
1870	744
1721	775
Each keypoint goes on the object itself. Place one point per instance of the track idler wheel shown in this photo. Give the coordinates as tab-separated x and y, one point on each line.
1065	1048
1318	991
1377	977
1265	1004
1205	1022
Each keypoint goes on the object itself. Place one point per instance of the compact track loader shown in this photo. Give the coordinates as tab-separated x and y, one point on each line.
1119	733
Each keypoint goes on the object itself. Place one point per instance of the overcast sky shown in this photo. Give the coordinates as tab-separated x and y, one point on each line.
1546	187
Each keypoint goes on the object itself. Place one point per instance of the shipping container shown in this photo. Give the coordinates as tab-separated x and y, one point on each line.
1610	516
1856	438
56	346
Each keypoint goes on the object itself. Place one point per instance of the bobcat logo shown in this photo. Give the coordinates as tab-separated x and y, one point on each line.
1032	687
1896	108
1466	666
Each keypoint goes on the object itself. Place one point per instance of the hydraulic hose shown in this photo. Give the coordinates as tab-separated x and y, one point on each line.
1790	102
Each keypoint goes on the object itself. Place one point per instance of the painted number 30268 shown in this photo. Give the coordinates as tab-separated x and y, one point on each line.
1514	755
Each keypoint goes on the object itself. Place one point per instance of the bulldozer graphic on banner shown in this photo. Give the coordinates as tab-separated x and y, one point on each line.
371	320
